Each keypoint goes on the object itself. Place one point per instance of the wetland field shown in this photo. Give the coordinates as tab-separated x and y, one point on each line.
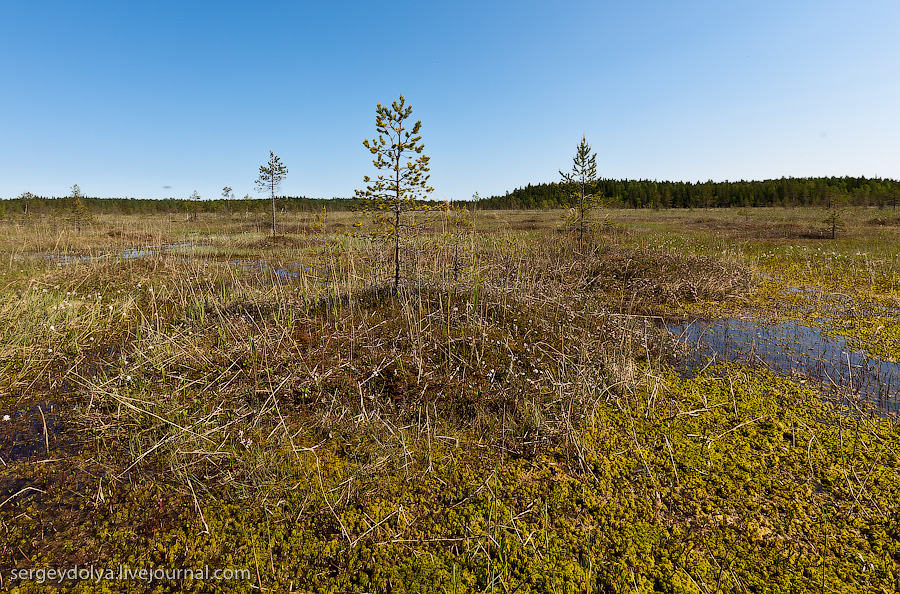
686	401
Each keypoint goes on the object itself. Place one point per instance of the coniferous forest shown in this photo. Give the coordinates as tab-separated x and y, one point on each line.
785	192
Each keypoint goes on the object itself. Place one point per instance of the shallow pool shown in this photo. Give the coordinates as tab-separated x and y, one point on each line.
787	348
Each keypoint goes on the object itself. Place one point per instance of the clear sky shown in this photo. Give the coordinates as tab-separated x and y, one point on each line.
126	98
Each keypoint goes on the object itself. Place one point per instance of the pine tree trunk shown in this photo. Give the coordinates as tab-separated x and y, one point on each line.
397	208
581	208
397	249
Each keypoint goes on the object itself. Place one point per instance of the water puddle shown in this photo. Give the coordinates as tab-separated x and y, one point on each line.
788	348
36	432
270	272
278	274
62	259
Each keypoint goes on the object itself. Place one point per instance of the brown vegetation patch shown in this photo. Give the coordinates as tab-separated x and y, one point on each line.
745	227
66	502
784	231
529	224
142	238
891	220
669	276
281	241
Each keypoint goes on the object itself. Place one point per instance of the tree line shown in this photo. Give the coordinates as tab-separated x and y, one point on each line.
786	192
39	205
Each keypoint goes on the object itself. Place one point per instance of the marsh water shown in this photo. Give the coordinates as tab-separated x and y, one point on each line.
788	348
261	269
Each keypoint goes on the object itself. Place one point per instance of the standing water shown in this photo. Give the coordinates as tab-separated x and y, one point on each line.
788	348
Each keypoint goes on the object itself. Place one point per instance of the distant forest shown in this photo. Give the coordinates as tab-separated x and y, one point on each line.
42	205
785	192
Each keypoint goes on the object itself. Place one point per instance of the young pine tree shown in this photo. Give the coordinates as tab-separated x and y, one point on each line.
80	212
580	181
228	198
270	177
26	199
834	222
404	178
195	205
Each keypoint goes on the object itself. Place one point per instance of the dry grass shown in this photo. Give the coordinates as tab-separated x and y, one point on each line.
179	358
288	376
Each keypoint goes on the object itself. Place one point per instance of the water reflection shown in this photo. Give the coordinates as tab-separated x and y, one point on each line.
787	348
276	273
63	259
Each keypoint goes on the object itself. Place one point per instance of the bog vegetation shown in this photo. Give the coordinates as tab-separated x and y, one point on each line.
508	418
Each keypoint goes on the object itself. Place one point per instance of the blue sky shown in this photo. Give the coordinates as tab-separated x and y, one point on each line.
125	98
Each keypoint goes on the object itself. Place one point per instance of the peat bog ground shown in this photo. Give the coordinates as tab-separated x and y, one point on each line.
689	401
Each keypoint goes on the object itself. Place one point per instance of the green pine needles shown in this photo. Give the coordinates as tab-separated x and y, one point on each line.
80	213
581	180
270	177
834	221
404	181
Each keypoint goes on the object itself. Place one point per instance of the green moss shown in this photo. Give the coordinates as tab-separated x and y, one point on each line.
518	437
879	337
